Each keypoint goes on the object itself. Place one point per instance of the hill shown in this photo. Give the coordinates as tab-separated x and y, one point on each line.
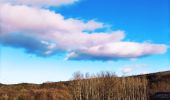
103	86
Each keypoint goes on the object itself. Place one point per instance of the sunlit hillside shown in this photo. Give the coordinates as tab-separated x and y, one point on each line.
102	86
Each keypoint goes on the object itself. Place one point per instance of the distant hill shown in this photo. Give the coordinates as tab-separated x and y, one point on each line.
104	86
156	77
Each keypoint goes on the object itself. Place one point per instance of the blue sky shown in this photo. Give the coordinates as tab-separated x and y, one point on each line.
126	36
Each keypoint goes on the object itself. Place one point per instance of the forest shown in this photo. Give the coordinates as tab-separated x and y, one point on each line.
100	86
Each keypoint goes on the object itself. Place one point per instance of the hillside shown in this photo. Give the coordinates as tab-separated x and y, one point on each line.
104	86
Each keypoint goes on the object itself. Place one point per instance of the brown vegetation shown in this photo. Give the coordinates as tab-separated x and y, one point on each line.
102	86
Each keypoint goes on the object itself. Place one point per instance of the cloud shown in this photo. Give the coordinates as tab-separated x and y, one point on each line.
28	19
117	51
40	2
127	70
51	28
30	44
134	68
44	33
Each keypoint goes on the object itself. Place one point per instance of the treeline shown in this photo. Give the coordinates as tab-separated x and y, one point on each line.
106	86
101	86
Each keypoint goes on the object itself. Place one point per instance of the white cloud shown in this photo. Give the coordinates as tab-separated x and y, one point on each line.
84	40
44	25
118	50
43	32
40	2
23	18
127	70
134	68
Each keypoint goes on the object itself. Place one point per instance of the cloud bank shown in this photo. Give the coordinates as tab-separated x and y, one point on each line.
44	33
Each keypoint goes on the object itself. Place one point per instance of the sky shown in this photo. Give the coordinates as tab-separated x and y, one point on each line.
49	40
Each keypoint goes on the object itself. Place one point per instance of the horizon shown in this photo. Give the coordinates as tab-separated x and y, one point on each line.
84	77
49	40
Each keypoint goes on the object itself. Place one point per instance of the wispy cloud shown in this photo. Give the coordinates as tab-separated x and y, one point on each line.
134	68
43	32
